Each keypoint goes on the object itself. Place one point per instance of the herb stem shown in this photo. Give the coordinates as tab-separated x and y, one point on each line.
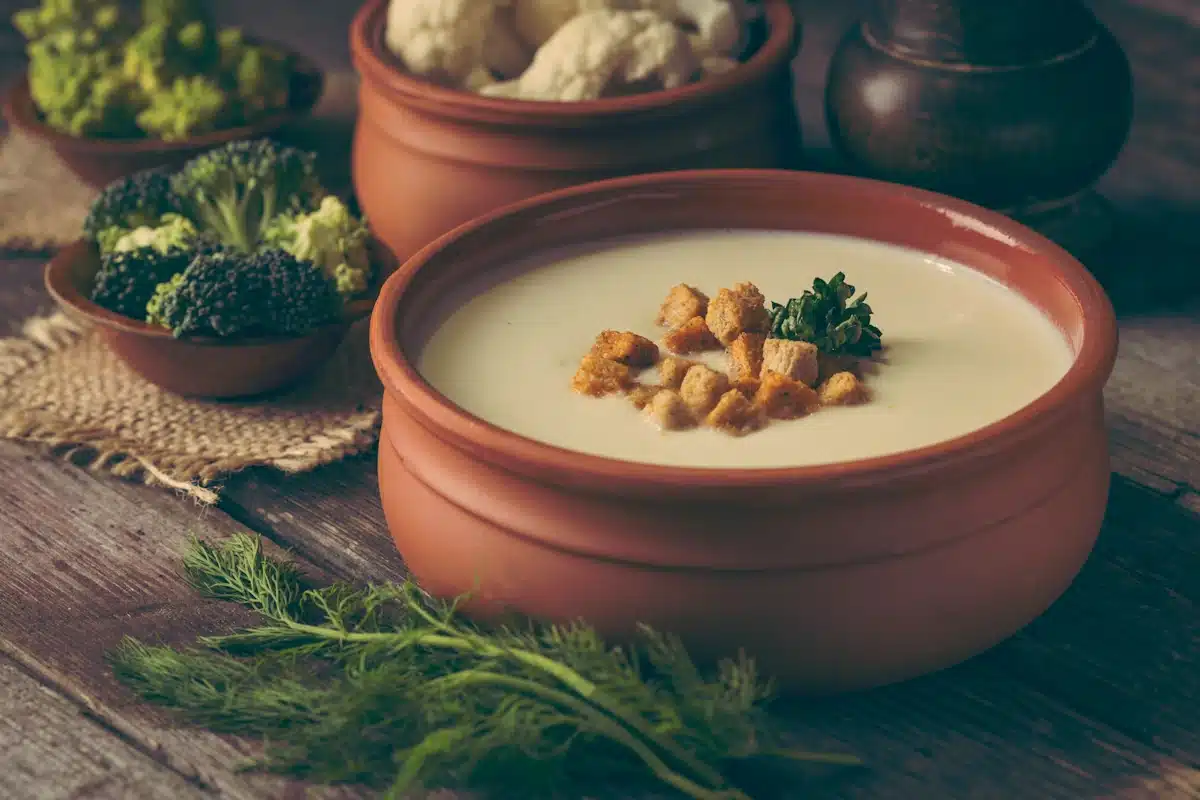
569	677
603	723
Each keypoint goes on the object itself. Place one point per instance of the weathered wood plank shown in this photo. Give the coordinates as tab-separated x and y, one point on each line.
931	738
1123	645
87	561
50	751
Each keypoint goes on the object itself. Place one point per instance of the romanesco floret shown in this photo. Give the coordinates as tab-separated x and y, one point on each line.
175	232
96	71
127	280
330	238
228	294
190	106
142	199
236	190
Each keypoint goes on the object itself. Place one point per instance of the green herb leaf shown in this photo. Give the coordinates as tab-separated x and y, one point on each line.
826	317
383	685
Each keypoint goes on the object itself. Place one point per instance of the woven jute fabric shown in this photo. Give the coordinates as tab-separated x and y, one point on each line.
60	387
43	204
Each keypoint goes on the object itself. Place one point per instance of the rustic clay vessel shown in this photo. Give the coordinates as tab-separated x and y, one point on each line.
427	158
98	162
836	577
1013	105
216	369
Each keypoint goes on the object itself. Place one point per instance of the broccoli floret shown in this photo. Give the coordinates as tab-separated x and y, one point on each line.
127	280
330	238
235	190
175	232
227	294
190	106
142	199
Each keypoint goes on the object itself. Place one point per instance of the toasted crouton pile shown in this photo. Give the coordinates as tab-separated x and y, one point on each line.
765	379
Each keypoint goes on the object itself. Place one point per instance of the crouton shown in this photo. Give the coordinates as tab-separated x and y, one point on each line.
672	369
843	389
747	386
641	395
625	348
599	376
746	356
797	360
683	302
781	397
702	387
735	414
692	336
736	311
668	411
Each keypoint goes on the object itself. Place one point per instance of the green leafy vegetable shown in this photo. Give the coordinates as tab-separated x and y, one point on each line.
384	686
331	238
825	317
97	70
236	190
227	293
143	199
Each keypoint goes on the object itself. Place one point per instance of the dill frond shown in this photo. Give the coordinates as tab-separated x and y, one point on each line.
386	686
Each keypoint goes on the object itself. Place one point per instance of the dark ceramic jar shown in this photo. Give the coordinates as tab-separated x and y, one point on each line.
428	158
1013	105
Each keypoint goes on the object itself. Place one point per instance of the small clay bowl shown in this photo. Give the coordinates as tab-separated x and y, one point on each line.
98	162
836	577
427	158
208	368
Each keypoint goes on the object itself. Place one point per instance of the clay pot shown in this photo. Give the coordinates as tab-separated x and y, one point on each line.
215	369
427	158
836	577
1015	105
98	162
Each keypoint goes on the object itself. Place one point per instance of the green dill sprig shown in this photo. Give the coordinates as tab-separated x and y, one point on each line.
385	686
825	317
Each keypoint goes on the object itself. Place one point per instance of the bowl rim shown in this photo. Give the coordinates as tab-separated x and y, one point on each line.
376	65
1089	370
57	278
21	112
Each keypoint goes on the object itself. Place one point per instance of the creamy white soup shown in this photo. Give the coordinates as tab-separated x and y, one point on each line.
960	350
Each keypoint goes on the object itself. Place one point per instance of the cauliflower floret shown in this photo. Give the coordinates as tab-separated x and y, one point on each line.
330	238
718	24
442	40
596	50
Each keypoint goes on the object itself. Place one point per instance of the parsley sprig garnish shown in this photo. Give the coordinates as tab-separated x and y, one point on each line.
384	686
826	317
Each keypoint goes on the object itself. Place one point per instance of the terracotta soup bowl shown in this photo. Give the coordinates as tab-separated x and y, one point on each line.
427	158
836	577
98	162
208	368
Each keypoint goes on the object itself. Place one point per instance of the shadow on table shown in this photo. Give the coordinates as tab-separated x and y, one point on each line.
1064	708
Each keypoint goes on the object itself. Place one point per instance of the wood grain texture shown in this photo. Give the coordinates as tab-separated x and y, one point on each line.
86	562
1097	699
50	751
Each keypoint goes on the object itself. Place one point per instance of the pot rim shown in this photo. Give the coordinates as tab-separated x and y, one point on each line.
62	285
1089	371
378	67
21	112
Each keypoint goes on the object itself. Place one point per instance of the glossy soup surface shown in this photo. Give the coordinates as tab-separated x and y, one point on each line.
961	350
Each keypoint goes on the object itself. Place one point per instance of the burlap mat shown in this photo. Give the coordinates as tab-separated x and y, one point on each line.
42	204
61	387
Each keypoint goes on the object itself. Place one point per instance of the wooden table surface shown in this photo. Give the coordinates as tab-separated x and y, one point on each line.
1099	698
